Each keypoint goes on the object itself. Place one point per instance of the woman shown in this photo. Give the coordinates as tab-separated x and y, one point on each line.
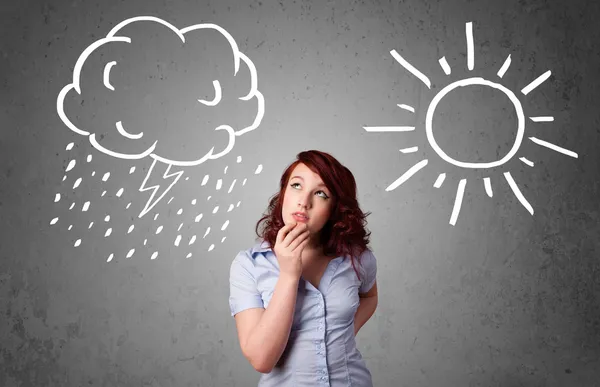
301	294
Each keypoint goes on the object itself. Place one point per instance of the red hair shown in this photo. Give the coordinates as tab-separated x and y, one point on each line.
345	233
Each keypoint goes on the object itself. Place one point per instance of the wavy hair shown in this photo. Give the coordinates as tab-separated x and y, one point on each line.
345	233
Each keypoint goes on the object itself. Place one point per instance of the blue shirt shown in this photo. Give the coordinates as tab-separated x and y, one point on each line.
321	349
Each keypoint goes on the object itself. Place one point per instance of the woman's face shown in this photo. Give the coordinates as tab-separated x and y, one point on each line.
306	193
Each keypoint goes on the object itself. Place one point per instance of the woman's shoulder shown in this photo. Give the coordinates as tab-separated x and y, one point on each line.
365	253
366	257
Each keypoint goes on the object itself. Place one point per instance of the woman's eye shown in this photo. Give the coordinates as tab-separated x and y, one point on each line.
325	196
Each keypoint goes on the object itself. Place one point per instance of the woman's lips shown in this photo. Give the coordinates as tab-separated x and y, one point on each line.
300	218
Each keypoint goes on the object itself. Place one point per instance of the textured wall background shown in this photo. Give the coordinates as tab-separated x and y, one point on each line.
503	298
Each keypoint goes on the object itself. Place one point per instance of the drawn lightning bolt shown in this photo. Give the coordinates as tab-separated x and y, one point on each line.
156	188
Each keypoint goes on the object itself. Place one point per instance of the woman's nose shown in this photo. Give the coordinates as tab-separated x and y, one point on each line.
304	200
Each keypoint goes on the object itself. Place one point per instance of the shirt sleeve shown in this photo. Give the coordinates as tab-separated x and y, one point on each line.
243	293
369	264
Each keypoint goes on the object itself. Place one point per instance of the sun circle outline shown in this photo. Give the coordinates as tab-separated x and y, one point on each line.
469	82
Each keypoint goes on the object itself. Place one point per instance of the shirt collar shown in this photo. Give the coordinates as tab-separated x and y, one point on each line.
260	247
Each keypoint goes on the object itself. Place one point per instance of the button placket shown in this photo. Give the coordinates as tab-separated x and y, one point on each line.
322	373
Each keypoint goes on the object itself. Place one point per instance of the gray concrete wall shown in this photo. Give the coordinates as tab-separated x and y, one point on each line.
500	298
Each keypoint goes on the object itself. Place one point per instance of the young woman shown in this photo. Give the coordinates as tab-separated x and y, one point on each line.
301	294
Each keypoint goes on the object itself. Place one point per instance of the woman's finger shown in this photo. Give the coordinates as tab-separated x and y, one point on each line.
300	227
301	246
299	239
282	233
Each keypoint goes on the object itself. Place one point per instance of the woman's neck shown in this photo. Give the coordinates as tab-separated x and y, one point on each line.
313	249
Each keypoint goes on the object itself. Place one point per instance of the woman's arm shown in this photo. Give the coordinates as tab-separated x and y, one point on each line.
266	339
366	307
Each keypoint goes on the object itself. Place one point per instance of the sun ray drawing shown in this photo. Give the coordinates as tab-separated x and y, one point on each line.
488	186
406	107
431	139
504	67
410	150
440	180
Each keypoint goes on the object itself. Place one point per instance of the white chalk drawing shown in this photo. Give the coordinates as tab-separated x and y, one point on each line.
173	177
108	231
438	150
170	176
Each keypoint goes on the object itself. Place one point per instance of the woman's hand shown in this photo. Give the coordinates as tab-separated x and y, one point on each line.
291	240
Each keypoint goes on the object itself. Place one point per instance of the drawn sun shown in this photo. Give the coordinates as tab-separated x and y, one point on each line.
434	145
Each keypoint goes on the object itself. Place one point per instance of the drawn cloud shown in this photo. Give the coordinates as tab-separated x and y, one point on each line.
154	148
